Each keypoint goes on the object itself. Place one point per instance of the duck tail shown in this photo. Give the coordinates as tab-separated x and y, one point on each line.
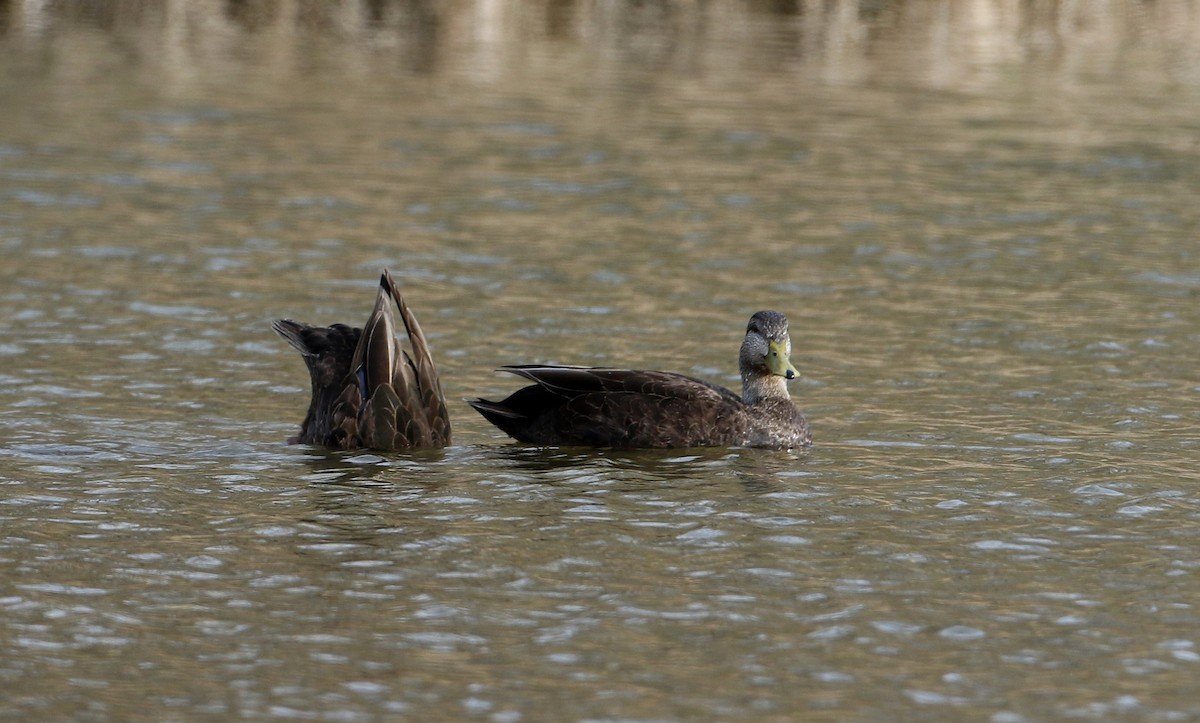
496	412
293	333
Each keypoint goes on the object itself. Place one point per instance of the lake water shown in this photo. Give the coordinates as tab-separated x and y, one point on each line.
980	217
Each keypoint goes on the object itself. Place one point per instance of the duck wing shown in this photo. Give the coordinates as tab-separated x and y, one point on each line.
405	407
607	407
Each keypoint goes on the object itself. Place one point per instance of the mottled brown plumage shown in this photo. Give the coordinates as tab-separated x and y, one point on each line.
628	408
366	390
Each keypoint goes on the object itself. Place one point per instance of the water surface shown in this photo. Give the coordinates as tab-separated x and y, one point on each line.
980	218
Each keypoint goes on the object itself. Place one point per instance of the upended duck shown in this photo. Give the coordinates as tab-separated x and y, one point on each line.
603	407
367	392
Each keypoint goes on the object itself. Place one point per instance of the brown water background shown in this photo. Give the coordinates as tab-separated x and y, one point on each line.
980	216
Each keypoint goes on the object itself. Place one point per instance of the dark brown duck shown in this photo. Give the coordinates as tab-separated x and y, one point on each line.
604	407
367	392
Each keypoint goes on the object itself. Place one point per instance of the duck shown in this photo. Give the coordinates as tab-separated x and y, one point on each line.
628	408
367	392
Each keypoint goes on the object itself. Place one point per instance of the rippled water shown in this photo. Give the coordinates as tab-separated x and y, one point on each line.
980	219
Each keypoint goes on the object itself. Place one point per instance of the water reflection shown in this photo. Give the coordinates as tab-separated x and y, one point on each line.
942	45
979	216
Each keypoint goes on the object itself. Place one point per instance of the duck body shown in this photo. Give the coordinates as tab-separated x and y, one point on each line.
367	392
602	407
605	407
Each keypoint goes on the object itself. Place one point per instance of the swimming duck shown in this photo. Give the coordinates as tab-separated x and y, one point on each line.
366	390
603	407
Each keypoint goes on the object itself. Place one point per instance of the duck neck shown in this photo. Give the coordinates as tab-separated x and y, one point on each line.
758	387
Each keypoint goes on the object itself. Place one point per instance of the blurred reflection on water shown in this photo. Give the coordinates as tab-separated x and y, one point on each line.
980	217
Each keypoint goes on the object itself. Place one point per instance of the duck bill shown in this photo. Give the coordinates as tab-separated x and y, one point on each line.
778	362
